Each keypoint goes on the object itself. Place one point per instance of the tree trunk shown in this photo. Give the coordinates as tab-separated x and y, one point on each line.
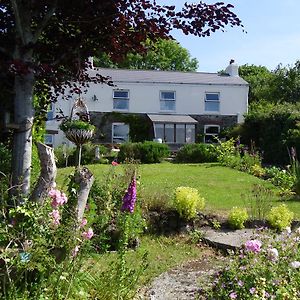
48	173
22	143
85	179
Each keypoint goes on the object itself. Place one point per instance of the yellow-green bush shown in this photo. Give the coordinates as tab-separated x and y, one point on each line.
237	217
188	202
280	217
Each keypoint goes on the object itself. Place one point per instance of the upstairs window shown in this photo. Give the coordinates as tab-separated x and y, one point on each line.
167	100
212	102
211	132
50	112
121	99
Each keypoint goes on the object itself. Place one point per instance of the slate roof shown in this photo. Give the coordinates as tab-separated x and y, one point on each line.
146	76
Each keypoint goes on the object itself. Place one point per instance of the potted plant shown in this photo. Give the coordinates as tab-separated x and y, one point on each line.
77	131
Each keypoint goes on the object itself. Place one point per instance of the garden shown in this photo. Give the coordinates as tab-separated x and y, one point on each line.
106	230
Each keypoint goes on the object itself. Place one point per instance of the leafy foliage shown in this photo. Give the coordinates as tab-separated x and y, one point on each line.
76	124
165	55
280	217
270	273
197	153
237	217
146	152
188	202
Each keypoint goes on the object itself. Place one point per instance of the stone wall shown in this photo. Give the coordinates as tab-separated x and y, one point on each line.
103	121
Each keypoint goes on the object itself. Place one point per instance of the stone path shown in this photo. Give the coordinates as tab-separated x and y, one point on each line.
183	282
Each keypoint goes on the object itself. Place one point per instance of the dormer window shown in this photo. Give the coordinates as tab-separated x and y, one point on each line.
121	99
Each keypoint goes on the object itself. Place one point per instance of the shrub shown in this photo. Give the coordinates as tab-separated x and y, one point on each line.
64	156
280	178
280	217
257	170
197	153
63	153
188	202
237	217
146	152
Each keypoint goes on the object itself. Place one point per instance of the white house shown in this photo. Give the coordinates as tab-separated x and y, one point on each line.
175	107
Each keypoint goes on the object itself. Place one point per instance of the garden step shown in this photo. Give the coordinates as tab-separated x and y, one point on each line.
227	239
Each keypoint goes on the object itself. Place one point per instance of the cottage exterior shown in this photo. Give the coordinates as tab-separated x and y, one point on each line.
167	106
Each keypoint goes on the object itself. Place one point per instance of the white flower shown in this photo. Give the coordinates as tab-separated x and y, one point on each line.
273	254
288	230
295	264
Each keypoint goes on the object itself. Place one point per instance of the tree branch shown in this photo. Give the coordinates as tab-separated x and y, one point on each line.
19	25
44	22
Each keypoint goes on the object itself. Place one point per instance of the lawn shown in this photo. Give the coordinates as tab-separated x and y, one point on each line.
222	187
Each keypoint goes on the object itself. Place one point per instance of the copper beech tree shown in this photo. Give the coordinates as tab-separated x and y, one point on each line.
44	46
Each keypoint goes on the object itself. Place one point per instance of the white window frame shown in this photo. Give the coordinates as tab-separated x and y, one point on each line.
118	136
175	132
212	101
210	134
121	98
161	100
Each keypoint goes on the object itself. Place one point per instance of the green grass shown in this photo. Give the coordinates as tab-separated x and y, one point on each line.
163	252
222	187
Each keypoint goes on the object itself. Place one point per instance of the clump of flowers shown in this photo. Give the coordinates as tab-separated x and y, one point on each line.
130	197
264	269
253	246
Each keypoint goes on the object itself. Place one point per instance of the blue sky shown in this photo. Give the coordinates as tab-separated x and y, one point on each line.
273	36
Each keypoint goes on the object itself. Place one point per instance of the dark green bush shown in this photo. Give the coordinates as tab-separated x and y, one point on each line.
197	153
146	152
274	129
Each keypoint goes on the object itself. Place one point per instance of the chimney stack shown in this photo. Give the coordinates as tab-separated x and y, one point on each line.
232	69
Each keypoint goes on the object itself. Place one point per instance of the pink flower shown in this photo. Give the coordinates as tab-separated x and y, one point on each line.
114	163
58	198
253	246
75	251
83	222
88	234
233	295
55	217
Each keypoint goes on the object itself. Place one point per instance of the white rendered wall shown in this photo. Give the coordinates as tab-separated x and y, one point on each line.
145	98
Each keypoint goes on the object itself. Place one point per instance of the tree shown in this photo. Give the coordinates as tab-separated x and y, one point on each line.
259	79
44	46
167	55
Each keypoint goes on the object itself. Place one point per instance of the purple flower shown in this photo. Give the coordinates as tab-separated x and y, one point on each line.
233	295
130	197
252	290
253	246
240	283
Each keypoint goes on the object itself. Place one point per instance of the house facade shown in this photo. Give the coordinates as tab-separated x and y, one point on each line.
167	106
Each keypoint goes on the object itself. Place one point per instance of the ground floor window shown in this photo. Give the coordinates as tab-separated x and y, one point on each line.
120	133
175	133
49	139
211	132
